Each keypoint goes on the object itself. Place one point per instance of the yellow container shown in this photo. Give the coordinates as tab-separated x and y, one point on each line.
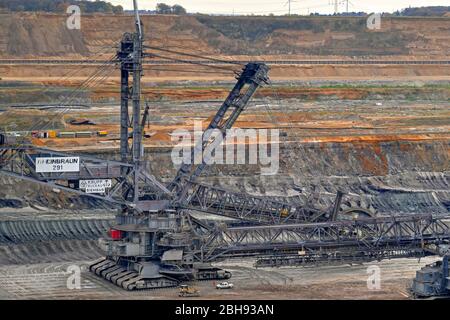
102	133
52	134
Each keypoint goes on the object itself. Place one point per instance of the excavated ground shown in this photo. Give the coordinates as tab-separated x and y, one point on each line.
45	35
392	155
389	154
34	265
379	133
49	280
42	269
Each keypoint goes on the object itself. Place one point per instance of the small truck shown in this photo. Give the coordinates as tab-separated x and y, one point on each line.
224	285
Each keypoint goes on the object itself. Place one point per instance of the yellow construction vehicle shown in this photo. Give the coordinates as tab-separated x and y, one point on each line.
284	213
187	291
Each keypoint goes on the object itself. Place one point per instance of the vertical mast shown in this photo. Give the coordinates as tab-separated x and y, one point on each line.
137	74
137	19
124	97
130	56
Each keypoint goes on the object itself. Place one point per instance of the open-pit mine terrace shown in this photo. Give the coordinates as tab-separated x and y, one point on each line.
392	156
366	113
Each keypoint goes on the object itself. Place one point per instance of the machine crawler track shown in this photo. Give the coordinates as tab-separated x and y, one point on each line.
129	280
213	274
132	280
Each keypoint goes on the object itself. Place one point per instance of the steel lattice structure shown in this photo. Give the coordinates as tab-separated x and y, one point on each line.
262	210
303	243
20	162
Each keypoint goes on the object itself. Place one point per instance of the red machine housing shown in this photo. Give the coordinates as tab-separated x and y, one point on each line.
115	234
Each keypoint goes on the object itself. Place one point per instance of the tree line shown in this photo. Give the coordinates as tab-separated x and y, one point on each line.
431	11
162	8
59	5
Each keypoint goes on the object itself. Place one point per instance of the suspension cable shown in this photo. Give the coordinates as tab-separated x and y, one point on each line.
89	82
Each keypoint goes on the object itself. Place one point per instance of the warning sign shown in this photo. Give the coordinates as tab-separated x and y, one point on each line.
95	186
66	164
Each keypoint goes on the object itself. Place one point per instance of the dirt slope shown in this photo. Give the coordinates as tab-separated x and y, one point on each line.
43	34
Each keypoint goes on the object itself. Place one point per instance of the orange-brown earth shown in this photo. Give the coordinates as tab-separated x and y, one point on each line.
363	126
336	120
345	141
51	74
43	35
46	35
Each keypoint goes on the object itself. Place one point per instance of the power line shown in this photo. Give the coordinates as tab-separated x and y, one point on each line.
278	11
73	72
188	71
193	55
91	81
289	4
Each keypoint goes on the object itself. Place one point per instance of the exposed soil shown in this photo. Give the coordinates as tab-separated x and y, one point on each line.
393	156
378	133
43	34
55	74
27	279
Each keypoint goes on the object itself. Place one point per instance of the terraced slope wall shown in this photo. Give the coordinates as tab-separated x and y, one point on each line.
43	34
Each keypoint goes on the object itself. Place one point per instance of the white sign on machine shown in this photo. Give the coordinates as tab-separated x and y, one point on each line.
95	186
58	164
